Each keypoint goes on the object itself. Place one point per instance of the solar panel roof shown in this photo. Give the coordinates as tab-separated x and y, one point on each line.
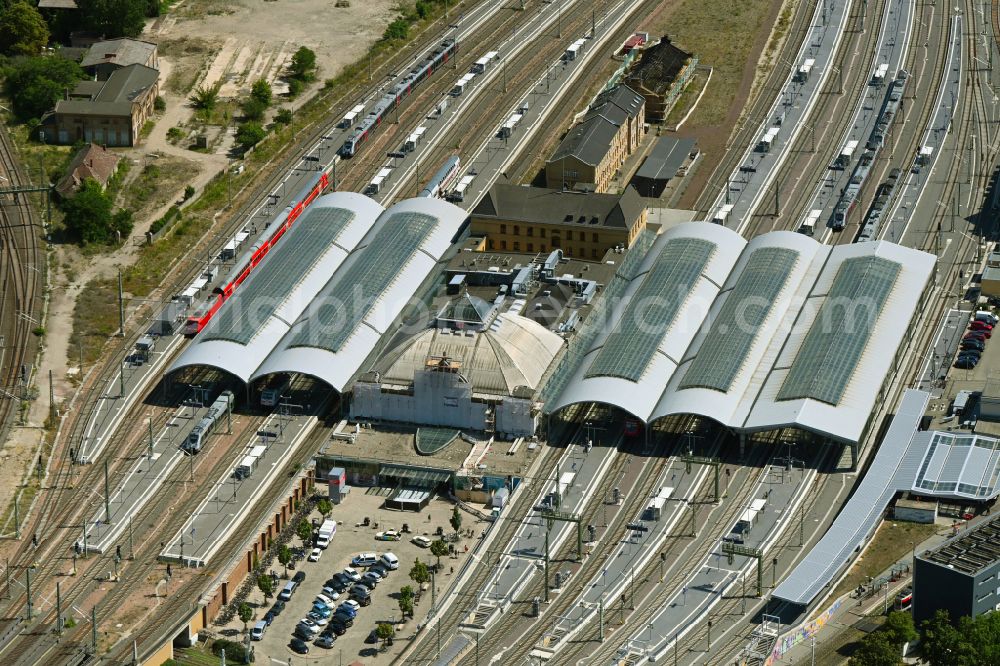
628	350
275	279
364	281
841	331
735	328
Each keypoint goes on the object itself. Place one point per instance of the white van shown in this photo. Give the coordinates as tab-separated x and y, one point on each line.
987	316
390	561
364	560
287	592
257	633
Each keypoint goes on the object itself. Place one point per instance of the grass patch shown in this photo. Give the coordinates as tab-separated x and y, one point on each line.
891	542
156	185
722	34
687	98
189	57
147	129
95	318
197	655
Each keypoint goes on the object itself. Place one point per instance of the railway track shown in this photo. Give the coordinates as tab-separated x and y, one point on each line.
900	150
813	154
22	271
636	500
686	554
160	515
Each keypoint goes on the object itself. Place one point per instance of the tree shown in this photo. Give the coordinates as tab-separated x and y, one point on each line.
295	87
283	117
253	109
899	628
204	99
284	557
398	29
420	573
303	64
305	532
266	585
423	9
261	90
88	214
942	643
113	18
439	548
324	506
249	135
245	613
384	631
35	84
406	601
456	520
23	31
876	650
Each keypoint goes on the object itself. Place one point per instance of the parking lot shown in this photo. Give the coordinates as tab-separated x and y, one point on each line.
351	539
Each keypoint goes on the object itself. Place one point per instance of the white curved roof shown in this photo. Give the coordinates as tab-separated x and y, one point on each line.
331	339
831	369
732	353
744	350
513	353
249	325
630	362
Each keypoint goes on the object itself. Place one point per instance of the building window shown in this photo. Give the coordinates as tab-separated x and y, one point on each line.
489	243
531	247
541	232
596	238
503	228
517	246
503	245
593	253
531	231
517	230
569	235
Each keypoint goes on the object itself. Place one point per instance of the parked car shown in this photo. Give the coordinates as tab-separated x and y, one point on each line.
338	628
980	326
975	335
369	583
972	344
352	574
304	632
325	599
965	363
344	619
350	603
269	617
299	646
372	575
380	569
347	610
278	607
325	641
364	560
323	610
971	352
299	577
308	623
317	618
372	637
361	594
330	593
257	633
388	535
314	555
421	541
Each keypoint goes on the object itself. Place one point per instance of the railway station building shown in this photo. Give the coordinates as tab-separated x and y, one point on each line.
583	225
593	150
780	333
654	76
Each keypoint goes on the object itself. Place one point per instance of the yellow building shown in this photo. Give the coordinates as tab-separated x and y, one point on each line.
592	151
584	225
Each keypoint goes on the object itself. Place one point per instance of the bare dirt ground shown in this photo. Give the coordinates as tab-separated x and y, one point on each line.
203	42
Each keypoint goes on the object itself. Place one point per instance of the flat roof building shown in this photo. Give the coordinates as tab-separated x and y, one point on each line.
661	165
959	576
584	225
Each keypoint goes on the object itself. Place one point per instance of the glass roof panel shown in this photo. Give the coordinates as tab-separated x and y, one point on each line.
842	329
735	328
650	313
